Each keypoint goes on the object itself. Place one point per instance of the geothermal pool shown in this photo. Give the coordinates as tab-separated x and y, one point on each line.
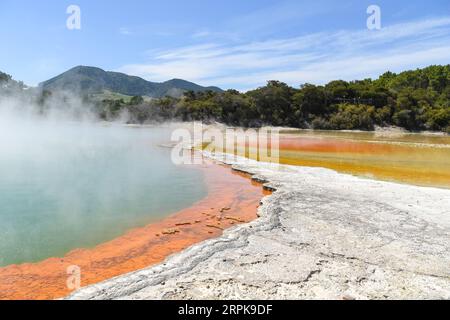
69	185
412	158
419	159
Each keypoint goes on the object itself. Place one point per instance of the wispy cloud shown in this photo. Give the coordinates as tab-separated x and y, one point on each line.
125	31
201	34
224	36
316	58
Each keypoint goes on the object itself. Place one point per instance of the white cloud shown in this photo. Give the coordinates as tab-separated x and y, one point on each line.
201	34
125	31
316	58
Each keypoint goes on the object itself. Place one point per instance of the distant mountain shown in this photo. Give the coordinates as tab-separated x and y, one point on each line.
91	80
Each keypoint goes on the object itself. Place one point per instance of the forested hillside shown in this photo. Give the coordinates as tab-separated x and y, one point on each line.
8	85
414	100
91	80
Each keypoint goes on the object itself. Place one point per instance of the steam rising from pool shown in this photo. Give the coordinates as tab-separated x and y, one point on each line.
68	182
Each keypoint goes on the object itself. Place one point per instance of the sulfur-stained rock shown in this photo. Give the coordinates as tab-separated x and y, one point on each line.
170	231
321	234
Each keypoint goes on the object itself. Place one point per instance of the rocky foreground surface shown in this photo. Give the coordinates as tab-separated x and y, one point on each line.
321	235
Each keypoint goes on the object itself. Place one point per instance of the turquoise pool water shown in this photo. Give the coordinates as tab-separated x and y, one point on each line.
67	186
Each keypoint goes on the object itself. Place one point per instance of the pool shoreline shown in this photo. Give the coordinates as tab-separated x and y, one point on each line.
349	238
232	199
259	248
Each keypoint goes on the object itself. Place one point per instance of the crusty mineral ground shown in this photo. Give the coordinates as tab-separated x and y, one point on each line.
321	235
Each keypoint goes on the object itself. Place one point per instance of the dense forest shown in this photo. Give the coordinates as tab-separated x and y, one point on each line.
415	100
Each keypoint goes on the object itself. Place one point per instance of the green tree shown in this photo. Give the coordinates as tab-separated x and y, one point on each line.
136	100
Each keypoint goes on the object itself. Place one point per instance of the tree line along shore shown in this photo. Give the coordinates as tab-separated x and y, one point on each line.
415	100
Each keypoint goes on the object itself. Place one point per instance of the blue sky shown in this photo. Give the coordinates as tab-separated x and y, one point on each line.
232	44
